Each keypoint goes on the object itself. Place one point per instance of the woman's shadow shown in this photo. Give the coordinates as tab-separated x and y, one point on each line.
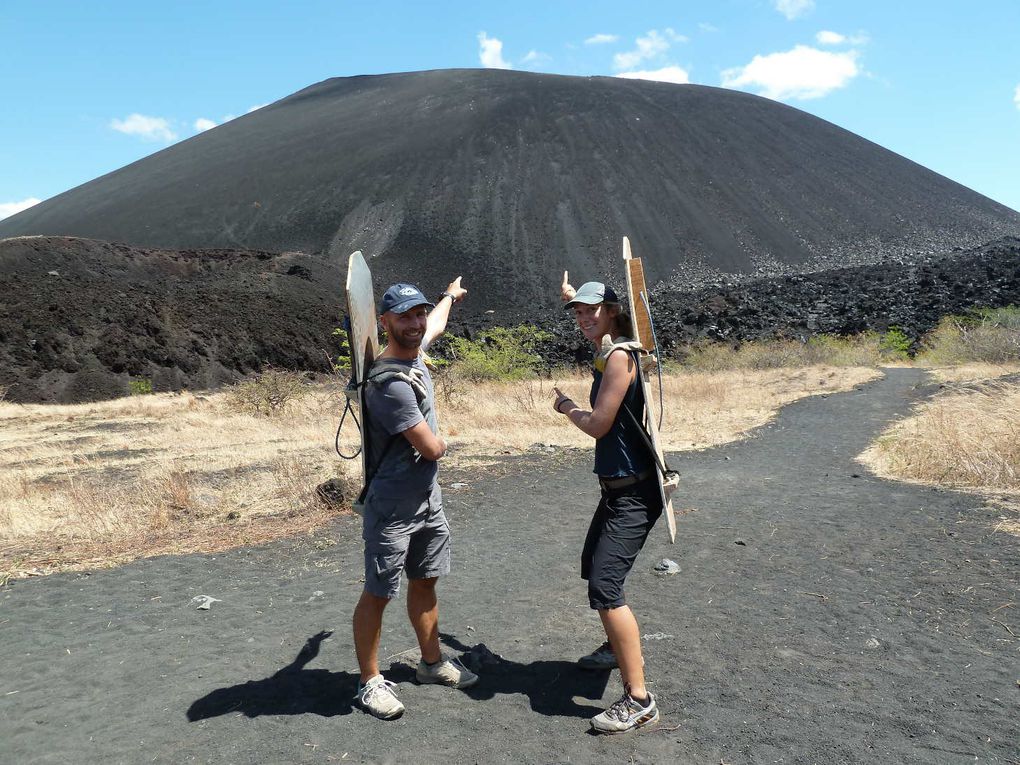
293	690
549	685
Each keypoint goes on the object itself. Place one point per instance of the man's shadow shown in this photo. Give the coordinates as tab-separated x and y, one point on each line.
293	690
549	685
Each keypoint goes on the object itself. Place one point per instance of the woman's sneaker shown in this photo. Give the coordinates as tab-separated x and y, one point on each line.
626	715
601	658
448	672
378	698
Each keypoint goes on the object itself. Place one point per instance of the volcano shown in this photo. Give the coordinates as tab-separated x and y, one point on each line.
226	252
511	177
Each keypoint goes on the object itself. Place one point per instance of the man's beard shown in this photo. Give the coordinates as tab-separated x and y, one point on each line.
408	344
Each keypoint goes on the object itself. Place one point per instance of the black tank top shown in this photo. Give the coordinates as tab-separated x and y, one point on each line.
622	451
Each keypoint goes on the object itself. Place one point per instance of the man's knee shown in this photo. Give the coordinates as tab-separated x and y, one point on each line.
423	585
373	602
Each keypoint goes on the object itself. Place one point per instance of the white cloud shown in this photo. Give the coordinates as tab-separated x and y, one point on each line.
794	8
666	74
202	124
802	73
8	209
1016	97
256	108
652	45
535	58
148	128
826	37
490	52
706	27
601	39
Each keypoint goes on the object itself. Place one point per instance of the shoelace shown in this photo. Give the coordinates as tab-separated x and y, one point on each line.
621	710
385	684
456	662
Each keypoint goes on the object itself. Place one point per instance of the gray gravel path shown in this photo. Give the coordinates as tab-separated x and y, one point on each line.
821	616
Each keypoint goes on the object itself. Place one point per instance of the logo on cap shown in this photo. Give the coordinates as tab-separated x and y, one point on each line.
408	291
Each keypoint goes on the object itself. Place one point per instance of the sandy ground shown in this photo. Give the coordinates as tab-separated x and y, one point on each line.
821	616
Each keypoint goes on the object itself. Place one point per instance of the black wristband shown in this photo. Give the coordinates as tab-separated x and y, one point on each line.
449	295
561	403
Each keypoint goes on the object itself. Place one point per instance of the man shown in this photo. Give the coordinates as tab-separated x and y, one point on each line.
404	526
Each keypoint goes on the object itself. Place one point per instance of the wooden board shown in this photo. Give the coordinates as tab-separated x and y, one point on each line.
362	330
637	295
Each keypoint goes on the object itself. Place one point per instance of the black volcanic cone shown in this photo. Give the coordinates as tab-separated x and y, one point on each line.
509	177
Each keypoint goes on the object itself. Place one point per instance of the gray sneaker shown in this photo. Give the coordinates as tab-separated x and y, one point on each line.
378	698
601	658
626	715
448	672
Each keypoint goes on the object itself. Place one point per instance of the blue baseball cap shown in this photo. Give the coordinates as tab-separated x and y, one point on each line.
593	293
403	297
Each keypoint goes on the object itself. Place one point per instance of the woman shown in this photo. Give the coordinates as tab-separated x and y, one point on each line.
631	501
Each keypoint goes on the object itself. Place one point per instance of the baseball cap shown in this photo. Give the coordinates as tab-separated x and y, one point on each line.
593	293
403	297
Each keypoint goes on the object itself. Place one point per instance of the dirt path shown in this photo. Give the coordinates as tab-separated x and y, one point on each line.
822	615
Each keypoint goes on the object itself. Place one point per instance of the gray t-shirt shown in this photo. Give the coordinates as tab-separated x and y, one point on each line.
390	408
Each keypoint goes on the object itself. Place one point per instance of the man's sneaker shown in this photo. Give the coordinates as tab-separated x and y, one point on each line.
626	715
449	672
601	658
378	698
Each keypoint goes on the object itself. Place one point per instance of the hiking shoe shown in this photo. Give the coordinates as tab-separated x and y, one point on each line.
378	698
448	672
626	715
601	658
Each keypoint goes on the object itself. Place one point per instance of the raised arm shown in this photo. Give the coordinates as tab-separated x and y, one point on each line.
566	291
441	313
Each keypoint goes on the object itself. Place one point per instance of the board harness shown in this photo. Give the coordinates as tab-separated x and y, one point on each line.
645	360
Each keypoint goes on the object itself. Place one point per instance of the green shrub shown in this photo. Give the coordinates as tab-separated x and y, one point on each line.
497	354
267	393
342	363
140	386
895	344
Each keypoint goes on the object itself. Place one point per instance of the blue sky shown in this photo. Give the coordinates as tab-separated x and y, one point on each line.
91	87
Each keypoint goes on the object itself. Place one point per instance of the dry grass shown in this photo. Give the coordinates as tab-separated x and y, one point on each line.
975	372
966	438
157	474
99	484
702	408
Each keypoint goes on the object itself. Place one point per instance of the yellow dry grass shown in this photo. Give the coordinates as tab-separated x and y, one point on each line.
966	438
702	409
120	479
89	485
974	372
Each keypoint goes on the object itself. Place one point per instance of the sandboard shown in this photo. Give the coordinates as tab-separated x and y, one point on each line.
362	333
637	294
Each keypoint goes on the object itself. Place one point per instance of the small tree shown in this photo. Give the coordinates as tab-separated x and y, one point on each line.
267	393
499	354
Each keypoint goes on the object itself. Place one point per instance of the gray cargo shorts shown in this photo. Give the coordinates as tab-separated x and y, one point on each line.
401	534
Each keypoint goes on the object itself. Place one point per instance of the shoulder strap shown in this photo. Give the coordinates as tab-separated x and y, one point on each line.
384	371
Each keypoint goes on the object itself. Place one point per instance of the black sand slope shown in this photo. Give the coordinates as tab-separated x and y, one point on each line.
822	615
509	177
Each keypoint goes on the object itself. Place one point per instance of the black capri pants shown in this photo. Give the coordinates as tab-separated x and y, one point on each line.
616	535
